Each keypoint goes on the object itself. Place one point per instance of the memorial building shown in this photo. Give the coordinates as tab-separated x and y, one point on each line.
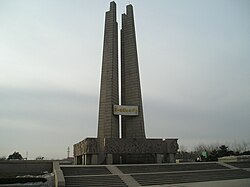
132	146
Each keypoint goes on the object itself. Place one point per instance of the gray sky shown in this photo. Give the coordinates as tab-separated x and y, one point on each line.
194	59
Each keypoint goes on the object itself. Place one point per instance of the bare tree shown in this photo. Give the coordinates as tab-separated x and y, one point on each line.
182	148
240	147
208	148
3	158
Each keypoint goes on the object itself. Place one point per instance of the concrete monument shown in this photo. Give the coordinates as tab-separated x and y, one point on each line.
132	146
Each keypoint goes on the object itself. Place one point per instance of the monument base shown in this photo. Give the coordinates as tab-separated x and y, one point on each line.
91	151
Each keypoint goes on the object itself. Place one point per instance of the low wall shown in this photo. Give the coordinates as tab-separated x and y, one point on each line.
242	158
59	177
12	168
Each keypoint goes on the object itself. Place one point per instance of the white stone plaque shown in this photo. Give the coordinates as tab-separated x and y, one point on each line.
125	110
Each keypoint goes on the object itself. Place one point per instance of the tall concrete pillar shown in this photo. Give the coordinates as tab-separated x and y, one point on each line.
108	124
132	126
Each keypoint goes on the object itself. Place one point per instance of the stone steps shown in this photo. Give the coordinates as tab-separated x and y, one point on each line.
240	164
170	167
188	177
111	180
151	174
90	176
75	171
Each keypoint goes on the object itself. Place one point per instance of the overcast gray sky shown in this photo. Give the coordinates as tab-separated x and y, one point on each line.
194	58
